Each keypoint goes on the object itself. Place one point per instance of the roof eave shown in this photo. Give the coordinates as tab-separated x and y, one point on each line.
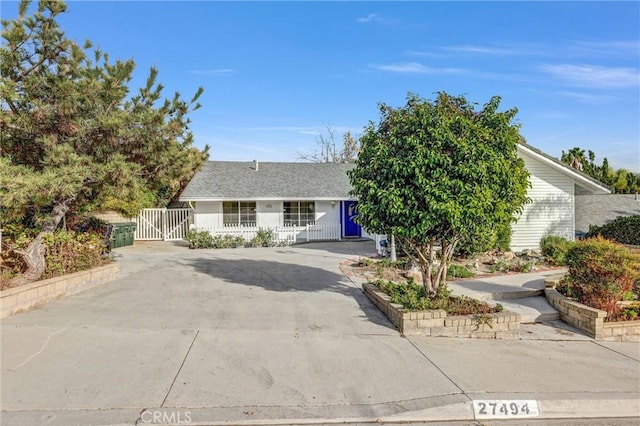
201	199
579	179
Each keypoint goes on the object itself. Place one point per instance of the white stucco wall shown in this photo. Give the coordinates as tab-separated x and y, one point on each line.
269	213
551	211
327	213
208	214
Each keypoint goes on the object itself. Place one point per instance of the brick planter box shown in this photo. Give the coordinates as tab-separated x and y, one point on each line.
438	323
26	297
591	320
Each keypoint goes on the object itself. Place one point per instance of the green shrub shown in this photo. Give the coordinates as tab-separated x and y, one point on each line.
601	273
631	312
554	249
503	237
457	271
498	237
623	229
228	241
263	238
199	239
65	252
412	297
70	251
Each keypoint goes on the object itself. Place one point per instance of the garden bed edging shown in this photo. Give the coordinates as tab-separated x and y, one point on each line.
23	298
590	320
438	323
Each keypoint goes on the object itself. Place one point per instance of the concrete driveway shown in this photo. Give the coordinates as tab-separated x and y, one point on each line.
257	335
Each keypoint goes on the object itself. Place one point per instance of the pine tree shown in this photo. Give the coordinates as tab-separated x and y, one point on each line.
73	138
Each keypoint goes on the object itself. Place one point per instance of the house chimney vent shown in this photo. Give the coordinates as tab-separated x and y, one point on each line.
255	165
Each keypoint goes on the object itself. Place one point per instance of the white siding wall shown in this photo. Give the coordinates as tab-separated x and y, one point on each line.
551	211
208	214
327	213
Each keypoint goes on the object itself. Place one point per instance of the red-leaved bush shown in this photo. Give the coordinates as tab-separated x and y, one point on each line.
601	272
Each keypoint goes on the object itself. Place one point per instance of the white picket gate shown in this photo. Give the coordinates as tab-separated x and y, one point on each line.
163	224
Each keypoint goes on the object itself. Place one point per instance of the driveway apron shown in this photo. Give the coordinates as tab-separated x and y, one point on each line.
218	330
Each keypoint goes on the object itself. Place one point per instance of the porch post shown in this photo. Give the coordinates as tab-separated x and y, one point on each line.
393	249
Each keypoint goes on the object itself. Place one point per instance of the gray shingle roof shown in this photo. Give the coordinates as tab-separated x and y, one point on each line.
601	209
230	180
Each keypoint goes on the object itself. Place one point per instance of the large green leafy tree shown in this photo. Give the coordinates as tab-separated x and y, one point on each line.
435	172
74	137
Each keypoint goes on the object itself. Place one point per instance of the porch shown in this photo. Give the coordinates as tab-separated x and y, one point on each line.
282	234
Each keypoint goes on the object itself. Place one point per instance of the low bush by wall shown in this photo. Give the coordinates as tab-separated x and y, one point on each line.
23	298
438	323
591	320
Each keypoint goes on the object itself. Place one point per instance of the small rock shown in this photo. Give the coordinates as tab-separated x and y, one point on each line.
414	273
508	255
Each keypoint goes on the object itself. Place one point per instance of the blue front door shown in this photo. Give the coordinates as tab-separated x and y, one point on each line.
349	227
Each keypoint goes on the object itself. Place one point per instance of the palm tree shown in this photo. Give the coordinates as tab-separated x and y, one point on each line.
575	158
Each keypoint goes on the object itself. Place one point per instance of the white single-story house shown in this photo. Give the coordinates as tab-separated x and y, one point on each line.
299	201
310	201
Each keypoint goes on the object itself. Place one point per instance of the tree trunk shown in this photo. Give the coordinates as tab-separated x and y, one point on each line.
427	282
34	255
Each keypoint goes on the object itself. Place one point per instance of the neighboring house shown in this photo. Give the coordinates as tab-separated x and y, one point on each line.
311	201
599	210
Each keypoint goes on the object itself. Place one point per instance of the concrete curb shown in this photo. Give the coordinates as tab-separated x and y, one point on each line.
446	408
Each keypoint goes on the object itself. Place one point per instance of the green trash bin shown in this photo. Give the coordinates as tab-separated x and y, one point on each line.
115	238
122	234
130	234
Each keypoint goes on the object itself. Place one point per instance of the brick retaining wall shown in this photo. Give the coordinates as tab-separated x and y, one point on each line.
26	297
438	323
591	320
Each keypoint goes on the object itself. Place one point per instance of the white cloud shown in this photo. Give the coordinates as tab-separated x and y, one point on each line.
425	54
594	76
587	98
369	18
377	19
482	50
607	48
416	68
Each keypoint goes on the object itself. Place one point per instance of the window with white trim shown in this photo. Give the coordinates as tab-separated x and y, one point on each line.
299	213
236	213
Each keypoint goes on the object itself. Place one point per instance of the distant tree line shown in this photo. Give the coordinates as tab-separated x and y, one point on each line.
621	181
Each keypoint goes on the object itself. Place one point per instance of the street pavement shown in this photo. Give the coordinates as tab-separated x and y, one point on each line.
282	336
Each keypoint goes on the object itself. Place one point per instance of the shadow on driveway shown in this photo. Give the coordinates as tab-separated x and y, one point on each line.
287	277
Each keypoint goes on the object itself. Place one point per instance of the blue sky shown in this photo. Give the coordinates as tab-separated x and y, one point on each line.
276	74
